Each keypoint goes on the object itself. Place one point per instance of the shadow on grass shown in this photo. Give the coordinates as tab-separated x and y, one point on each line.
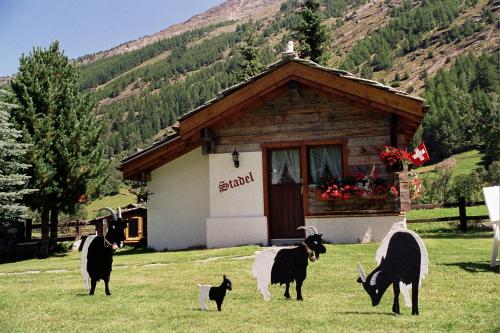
18	258
473	267
457	235
143	250
134	250
364	313
453	233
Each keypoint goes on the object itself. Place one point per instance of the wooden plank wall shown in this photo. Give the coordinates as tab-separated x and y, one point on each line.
307	114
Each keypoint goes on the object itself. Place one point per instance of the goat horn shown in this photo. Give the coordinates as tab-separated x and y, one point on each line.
111	211
361	273
119	213
315	229
309	227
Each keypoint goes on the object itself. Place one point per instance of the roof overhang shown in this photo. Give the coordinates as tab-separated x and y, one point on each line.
272	82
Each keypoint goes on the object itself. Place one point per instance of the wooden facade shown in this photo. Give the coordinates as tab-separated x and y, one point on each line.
298	106
303	117
275	81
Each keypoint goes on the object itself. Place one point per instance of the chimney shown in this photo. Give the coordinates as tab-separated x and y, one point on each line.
289	52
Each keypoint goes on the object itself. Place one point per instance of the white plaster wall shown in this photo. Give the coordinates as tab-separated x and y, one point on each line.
180	205
358	229
234	231
237	214
244	200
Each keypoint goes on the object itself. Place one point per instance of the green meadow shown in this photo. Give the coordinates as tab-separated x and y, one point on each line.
157	292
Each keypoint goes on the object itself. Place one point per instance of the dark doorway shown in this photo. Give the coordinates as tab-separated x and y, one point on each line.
286	211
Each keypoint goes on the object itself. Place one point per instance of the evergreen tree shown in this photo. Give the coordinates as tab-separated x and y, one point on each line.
490	129
312	34
12	177
65	153
366	71
249	64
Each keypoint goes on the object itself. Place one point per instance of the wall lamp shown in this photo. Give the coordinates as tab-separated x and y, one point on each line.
236	158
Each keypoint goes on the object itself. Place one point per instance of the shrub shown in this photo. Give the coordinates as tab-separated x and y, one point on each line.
467	186
437	189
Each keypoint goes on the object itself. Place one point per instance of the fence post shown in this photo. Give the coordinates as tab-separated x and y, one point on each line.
463	214
78	234
28	229
404	191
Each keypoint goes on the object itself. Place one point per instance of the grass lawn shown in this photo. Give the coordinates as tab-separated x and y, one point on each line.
461	293
445	212
123	198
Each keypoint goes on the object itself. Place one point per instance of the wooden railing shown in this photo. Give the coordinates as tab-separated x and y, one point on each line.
462	211
65	231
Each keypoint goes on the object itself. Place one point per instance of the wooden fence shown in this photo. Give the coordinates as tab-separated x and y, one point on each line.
462	211
68	231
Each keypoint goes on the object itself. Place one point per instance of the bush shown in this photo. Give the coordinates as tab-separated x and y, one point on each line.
437	189
492	176
467	186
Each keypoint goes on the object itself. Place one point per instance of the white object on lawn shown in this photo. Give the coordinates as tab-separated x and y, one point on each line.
492	200
204	291
424	262
83	261
261	270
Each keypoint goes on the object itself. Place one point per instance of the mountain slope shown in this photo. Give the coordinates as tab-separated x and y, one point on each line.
142	87
238	10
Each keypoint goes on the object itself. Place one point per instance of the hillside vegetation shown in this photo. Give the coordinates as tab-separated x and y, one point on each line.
141	93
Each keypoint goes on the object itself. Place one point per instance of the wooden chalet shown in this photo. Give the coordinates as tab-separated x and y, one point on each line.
288	127
136	231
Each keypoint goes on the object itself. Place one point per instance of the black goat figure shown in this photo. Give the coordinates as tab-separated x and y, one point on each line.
285	266
402	261
216	294
97	253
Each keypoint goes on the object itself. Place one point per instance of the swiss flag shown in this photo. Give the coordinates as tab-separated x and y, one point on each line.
419	155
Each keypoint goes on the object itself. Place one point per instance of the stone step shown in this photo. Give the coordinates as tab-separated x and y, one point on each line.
286	241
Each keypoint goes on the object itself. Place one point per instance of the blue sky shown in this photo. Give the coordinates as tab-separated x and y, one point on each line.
84	26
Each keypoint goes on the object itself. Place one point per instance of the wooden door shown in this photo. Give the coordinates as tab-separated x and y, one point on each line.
133	232
286	211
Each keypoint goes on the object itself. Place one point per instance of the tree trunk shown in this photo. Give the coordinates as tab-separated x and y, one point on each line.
54	221
44	244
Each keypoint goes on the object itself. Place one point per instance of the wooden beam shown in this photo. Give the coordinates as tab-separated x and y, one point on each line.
356	91
239	109
295	144
359	102
245	108
359	89
304	170
151	154
161	157
207	141
394	128
265	174
410	111
253	89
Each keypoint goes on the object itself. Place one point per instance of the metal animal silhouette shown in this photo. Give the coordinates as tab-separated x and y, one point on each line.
284	266
403	262
97	253
216	294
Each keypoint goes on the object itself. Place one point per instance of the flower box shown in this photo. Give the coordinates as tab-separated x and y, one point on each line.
318	195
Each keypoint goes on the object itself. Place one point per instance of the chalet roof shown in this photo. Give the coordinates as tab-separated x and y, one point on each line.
186	137
309	63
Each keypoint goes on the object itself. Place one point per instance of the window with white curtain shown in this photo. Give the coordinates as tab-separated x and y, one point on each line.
324	161
285	166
